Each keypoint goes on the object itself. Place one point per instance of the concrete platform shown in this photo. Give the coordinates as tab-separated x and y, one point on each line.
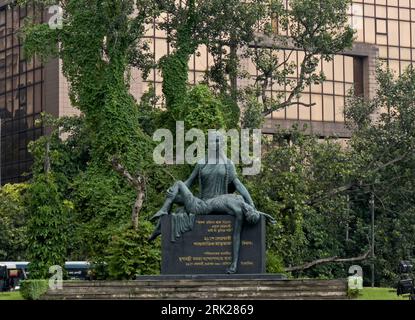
239	287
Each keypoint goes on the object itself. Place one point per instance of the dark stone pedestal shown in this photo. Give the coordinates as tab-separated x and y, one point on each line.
207	249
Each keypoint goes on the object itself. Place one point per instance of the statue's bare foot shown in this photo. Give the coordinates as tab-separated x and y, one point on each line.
154	236
231	269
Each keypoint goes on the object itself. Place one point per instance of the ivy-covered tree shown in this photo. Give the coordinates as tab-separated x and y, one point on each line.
97	43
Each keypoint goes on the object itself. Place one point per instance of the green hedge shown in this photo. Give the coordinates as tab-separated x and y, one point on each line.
33	289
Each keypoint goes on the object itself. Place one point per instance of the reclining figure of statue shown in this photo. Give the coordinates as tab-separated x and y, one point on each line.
231	204
217	180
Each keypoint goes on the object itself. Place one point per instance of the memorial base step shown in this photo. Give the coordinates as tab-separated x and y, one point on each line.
198	288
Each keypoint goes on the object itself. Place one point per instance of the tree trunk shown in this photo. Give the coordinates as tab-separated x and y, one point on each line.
137	208
138	182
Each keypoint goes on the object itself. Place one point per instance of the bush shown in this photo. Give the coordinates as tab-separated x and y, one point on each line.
130	253
354	293
47	224
33	289
274	263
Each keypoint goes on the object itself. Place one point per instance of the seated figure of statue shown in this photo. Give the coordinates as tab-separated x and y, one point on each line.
217	181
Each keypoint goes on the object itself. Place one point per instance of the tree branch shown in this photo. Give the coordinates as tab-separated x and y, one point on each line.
346	187
296	90
308	105
308	265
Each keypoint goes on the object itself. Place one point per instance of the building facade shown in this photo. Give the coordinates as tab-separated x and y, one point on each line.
385	31
27	88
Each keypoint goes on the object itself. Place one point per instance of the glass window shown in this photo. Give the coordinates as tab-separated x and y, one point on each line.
404	14
369	10
304	112
381	39
381	27
370	32
393	13
393	53
2	17
2	43
393	33
380	11
328	108
405	39
338	68
316	110
29	101
38	98
2	102
404	3
292	112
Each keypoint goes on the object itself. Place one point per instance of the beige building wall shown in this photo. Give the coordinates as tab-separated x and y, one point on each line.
385	29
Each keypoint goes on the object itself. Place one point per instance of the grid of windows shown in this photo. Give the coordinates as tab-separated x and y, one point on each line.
390	24
329	97
20	96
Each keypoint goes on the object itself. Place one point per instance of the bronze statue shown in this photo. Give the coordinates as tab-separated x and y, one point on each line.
217	180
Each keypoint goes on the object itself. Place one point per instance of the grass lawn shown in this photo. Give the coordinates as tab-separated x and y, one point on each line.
380	294
10	296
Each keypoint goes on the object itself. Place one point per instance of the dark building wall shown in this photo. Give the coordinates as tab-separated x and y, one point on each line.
21	97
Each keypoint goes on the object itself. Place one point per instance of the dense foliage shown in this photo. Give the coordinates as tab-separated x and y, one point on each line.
77	207
383	145
13	222
129	253
293	176
33	289
46	226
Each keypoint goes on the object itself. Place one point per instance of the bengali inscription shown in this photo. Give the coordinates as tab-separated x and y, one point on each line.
208	248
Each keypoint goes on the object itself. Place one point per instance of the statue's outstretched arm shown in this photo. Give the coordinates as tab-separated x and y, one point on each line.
193	176
243	191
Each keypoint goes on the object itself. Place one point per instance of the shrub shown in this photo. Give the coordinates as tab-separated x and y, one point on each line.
33	289
130	253
354	293
47	223
274	263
